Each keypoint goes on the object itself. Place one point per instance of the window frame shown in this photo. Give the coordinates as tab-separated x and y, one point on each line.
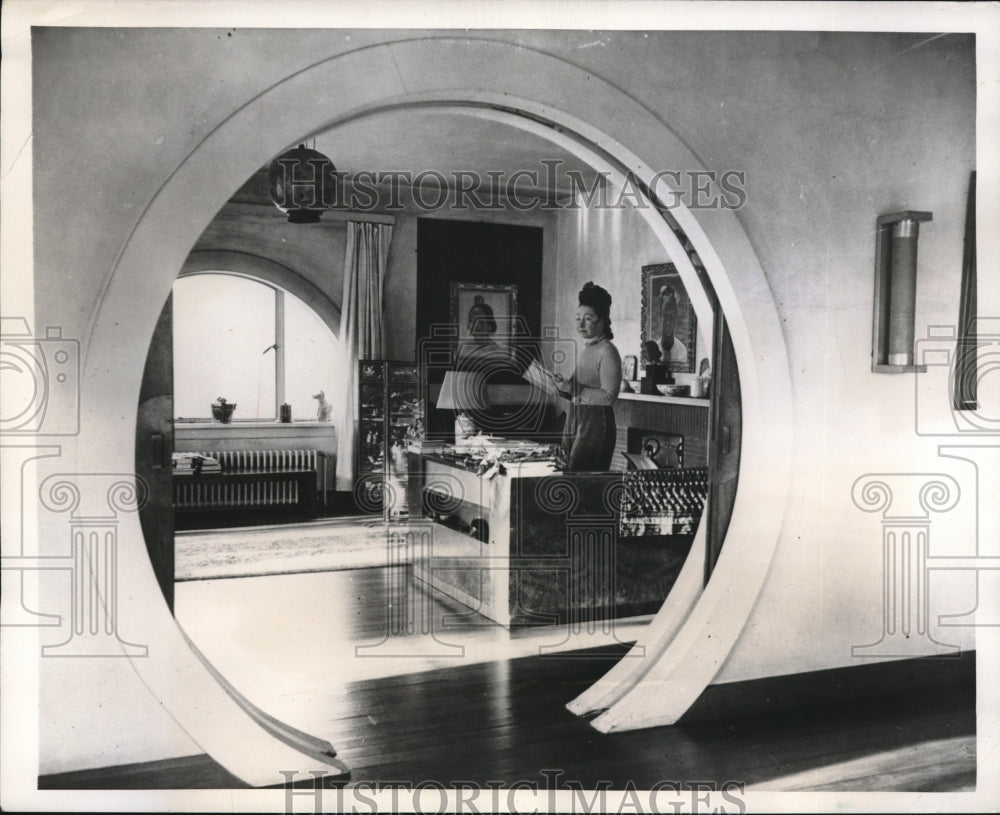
278	343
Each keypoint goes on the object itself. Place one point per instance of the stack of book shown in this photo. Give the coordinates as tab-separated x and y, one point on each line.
194	464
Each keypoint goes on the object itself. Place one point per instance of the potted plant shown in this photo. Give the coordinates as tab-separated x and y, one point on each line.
222	411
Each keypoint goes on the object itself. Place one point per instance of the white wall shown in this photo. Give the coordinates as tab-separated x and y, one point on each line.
831	131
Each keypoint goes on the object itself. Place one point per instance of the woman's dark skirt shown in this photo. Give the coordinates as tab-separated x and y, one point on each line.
589	438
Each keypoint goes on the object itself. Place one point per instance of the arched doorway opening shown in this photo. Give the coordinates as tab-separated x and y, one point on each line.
622	128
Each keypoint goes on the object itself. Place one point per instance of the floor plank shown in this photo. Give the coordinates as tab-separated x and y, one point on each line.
436	733
497	715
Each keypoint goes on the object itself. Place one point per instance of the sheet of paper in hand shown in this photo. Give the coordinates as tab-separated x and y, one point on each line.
540	378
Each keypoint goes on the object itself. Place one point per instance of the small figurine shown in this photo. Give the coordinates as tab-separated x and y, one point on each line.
416	429
324	409
656	371
704	379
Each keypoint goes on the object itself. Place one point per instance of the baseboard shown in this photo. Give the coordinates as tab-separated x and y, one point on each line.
189	772
774	694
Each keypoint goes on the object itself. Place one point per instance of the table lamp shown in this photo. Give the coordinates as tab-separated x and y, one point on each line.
463	391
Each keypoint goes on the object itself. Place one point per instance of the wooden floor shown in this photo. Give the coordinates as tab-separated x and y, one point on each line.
352	625
504	720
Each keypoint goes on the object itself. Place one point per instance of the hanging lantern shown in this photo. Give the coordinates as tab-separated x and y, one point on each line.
302	183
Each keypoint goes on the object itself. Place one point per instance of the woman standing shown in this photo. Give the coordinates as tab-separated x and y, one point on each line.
589	435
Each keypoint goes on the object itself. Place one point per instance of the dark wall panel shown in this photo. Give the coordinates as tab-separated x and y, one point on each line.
469	252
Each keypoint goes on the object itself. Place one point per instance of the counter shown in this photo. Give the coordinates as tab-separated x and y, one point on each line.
526	548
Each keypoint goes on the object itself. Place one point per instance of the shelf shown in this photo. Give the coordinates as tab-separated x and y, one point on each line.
201	424
670	400
193	436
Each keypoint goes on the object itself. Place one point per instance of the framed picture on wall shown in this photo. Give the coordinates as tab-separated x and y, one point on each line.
630	367
668	317
486	317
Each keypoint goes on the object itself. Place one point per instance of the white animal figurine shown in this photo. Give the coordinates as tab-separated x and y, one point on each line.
324	409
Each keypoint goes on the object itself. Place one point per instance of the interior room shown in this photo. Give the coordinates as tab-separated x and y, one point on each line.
333	309
403	519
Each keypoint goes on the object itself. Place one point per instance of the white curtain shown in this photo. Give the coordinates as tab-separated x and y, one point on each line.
361	331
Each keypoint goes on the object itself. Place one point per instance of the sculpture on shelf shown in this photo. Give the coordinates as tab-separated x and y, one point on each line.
324	408
650	353
656	371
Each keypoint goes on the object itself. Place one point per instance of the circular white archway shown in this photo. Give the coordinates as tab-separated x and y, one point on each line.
686	646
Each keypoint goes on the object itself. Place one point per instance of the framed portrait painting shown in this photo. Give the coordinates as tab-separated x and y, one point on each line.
485	315
668	317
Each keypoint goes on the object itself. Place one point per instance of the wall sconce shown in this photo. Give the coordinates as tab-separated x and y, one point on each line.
896	291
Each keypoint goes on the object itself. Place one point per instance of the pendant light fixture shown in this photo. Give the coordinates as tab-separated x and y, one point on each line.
302	183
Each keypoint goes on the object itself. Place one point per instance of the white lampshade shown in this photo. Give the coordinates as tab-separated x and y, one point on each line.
463	390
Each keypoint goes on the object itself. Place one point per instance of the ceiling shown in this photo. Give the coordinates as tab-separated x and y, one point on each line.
428	141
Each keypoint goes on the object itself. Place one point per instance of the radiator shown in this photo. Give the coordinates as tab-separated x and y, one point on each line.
266	461
244	482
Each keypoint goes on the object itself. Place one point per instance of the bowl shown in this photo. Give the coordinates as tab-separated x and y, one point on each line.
223	413
674	390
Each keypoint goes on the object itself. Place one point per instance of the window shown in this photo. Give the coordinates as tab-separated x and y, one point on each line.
252	343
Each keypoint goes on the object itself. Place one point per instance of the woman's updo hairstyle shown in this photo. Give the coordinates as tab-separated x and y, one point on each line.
599	300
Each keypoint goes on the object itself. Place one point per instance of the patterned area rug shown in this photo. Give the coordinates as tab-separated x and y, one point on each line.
251	552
